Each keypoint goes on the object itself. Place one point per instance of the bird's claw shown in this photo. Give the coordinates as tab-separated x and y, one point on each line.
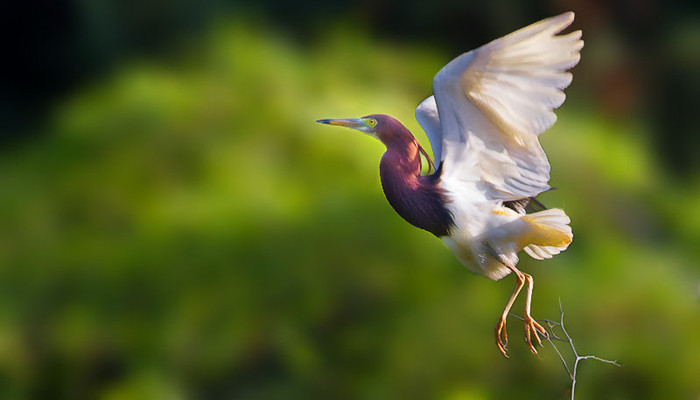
533	326
502	336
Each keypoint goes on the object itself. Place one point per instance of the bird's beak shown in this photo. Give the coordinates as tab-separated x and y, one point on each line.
354	123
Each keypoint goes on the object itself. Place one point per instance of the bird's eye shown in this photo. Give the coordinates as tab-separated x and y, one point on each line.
372	122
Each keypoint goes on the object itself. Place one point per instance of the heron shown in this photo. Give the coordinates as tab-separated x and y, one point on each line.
488	107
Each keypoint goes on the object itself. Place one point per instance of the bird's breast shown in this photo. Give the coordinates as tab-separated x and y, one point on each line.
417	199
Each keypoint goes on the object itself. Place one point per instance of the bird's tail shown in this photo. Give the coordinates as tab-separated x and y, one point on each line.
549	233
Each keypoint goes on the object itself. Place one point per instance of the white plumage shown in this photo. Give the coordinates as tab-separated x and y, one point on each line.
489	106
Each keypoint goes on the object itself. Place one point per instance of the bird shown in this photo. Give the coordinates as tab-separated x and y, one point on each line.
488	107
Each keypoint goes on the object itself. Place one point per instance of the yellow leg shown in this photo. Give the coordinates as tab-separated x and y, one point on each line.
530	323
531	326
501	334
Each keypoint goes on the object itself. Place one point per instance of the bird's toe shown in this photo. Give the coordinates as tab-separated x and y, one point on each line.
502	336
533	328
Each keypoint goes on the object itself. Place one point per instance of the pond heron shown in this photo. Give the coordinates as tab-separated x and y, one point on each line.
488	107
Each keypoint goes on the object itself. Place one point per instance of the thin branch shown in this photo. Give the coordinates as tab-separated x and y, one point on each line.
599	359
552	336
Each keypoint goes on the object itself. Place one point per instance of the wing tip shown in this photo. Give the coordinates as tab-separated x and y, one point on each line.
565	17
561	21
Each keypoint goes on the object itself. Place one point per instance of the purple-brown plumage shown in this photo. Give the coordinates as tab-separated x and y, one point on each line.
416	198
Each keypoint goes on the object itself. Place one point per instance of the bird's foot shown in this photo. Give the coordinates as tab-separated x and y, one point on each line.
533	326
502	336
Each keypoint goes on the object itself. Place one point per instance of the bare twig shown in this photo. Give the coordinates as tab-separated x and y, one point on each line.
552	336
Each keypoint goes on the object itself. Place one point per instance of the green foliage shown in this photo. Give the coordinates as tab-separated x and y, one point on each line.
187	230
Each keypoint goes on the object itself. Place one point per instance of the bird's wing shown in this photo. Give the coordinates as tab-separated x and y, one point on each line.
492	104
427	117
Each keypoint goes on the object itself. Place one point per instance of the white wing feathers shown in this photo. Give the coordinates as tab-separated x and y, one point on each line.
490	104
427	117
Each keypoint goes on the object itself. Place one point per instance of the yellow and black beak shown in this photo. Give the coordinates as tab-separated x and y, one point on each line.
354	123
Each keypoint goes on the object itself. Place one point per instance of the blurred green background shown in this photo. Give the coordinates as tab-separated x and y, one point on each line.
175	225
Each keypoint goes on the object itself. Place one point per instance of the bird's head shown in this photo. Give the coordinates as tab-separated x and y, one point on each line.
387	129
382	127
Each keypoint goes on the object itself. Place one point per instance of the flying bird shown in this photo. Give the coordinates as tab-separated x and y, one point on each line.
488	108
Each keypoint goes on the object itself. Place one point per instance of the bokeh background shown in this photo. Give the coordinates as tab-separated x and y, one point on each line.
173	224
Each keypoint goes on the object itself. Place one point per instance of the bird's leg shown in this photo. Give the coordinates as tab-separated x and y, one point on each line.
501	334
530	323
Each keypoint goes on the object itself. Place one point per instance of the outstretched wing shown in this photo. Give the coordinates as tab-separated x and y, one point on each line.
490	104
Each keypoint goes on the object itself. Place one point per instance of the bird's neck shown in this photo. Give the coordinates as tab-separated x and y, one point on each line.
416	198
402	161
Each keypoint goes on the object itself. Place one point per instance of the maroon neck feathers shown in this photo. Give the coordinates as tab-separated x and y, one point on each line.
417	199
